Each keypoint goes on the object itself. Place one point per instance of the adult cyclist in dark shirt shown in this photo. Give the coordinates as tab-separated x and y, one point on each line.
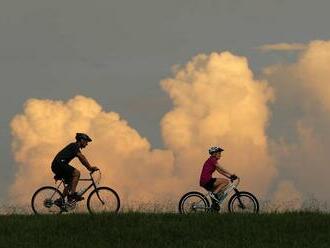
63	170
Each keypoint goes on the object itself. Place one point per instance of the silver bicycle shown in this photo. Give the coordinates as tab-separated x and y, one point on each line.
240	201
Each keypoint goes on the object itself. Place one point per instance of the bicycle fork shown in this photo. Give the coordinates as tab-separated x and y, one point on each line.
241	205
97	193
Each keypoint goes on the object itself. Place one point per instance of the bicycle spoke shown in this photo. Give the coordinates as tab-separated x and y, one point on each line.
44	199
103	200
193	203
244	204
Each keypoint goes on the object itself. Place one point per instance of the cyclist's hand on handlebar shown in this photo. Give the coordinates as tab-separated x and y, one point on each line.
233	177
94	168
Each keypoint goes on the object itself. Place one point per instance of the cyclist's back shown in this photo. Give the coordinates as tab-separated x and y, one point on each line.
67	153
209	167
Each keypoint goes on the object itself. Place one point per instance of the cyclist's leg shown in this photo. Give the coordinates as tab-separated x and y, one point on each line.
66	190
71	177
219	184
210	187
75	180
57	169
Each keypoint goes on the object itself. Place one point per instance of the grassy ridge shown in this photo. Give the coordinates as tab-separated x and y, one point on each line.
167	230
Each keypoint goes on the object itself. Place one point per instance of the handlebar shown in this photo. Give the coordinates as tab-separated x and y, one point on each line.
100	175
91	172
238	181
232	181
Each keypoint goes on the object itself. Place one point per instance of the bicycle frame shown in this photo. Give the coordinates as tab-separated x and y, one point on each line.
93	183
52	199
240	201
232	186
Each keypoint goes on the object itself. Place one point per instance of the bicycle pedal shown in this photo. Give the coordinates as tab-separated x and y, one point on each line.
215	209
71	203
63	209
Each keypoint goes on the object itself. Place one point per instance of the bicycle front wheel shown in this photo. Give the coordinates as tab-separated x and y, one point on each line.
103	199
193	202
243	202
43	201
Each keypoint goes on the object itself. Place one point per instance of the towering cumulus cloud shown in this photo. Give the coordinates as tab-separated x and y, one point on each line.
302	108
126	160
312	69
218	102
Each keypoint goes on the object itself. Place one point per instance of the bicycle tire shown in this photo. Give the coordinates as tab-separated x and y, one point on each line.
49	202
106	191
237	199
205	205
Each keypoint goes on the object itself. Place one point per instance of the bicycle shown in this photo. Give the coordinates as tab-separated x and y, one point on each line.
240	201
100	199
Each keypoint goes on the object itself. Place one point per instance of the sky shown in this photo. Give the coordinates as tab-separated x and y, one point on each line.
158	76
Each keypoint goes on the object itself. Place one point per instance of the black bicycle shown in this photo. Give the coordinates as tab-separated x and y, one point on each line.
101	199
241	201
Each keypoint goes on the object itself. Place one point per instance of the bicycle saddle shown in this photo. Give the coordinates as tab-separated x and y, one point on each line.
56	178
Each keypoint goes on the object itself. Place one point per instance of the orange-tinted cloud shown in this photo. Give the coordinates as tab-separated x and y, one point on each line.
313	71
301	113
218	102
286	197
125	158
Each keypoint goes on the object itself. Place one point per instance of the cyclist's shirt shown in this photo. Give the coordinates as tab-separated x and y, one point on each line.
207	171
67	153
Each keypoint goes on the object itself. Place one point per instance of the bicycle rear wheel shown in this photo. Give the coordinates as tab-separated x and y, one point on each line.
243	202
103	199
43	201
193	202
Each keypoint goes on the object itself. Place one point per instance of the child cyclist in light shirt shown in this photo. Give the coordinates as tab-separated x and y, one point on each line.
216	185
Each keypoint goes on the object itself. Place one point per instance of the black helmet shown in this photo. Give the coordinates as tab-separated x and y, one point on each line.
83	136
215	149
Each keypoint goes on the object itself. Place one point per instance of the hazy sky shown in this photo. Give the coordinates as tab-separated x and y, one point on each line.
117	52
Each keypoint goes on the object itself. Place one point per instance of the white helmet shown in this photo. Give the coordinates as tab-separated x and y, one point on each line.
215	149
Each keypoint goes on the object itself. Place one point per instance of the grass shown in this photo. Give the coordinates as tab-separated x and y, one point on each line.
166	230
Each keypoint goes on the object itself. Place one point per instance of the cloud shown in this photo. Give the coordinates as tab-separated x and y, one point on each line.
301	119
126	160
282	47
313	71
286	197
218	102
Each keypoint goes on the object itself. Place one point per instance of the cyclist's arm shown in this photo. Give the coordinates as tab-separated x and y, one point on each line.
223	171
84	161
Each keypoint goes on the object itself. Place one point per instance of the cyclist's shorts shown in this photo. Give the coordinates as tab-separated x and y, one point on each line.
210	184
63	170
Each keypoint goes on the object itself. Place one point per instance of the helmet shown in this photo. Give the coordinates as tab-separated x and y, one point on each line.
83	136
215	149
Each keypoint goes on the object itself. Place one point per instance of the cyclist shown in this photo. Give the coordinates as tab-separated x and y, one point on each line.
216	185
70	175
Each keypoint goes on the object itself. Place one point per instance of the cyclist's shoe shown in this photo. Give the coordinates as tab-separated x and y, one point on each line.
75	197
215	207
60	203
221	196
